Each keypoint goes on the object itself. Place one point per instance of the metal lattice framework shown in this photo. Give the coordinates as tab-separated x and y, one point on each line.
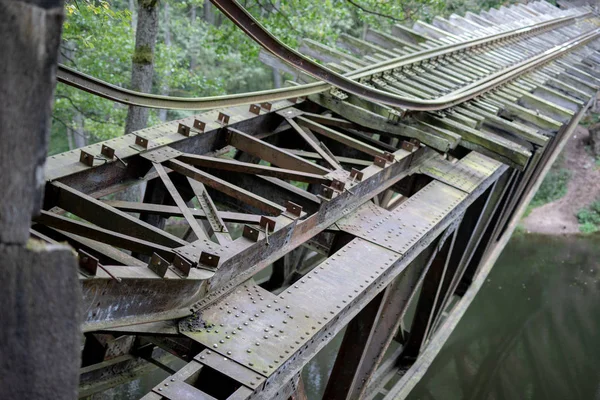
360	210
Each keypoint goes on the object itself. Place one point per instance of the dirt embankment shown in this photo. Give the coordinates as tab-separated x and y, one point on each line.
558	217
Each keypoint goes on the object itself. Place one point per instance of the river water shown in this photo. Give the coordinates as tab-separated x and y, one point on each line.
532	332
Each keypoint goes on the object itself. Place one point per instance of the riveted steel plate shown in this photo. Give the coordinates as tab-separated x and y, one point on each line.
267	329
466	174
335	283
179	390
229	367
193	250
162	154
230	249
400	229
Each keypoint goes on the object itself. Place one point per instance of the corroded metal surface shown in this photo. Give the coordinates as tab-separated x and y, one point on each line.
354	205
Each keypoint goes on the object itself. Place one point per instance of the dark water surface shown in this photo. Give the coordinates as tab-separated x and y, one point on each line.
532	332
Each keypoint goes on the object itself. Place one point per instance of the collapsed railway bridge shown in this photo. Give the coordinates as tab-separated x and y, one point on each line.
373	195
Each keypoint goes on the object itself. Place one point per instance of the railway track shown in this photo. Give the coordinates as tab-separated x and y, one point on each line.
402	56
389	177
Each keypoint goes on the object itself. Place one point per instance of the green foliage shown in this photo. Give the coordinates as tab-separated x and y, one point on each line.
553	187
589	218
204	56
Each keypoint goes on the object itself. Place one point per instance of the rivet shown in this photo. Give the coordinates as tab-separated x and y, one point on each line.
215	345
248	351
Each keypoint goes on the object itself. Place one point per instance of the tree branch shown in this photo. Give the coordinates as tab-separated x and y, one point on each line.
91	116
379	14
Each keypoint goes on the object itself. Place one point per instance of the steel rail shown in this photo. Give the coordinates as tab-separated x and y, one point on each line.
498	78
112	92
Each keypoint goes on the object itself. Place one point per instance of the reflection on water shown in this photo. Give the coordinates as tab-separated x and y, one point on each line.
532	332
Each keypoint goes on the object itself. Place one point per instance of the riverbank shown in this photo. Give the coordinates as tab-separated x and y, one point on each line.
559	217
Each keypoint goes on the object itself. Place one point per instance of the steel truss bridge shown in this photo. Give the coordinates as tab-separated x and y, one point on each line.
374	196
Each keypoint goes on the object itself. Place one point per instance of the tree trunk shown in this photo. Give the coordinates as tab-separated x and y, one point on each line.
79	132
143	61
276	78
194	40
209	14
162	114
70	141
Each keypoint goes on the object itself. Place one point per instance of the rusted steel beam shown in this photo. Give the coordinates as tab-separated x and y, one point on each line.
225	187
245	259
395	301
474	216
173	211
106	236
107	255
270	153
430	293
338	136
196	227
216	224
107	217
225	164
309	138
341	160
349	355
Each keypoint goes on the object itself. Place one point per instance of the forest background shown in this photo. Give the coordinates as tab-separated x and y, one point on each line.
187	48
